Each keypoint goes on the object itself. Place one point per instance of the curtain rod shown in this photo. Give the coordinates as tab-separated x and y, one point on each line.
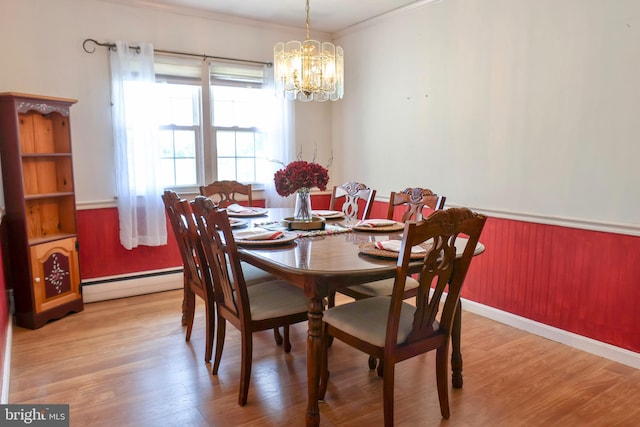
112	46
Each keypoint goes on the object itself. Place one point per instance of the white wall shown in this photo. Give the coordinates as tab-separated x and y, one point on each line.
515	106
41	51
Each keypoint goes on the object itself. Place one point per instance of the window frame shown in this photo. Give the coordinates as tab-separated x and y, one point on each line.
206	139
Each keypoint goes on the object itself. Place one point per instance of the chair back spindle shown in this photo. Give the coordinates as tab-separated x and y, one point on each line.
353	193
224	193
415	199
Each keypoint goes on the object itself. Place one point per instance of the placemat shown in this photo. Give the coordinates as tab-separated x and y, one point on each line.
369	248
288	236
395	227
329	229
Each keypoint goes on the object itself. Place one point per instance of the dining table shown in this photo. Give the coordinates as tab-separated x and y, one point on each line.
323	261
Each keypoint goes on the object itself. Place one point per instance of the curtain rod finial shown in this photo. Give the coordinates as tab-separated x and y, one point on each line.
84	45
110	46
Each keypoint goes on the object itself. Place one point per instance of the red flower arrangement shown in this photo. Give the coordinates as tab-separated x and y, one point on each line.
300	174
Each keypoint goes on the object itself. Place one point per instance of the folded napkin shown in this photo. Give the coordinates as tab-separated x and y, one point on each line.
395	245
375	223
236	208
326	213
258	235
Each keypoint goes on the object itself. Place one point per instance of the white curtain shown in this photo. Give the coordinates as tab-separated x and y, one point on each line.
280	142
138	184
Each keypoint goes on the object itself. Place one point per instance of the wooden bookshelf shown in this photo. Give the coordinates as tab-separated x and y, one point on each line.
37	175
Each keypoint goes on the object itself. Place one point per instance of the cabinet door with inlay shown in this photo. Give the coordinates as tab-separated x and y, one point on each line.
55	273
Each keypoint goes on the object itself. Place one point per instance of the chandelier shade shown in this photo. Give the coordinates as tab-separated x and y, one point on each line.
308	70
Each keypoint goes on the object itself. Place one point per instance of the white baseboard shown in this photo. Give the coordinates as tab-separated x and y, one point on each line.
611	352
127	286
6	368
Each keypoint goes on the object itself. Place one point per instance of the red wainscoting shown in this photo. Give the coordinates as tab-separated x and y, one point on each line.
320	201
101	253
585	282
581	281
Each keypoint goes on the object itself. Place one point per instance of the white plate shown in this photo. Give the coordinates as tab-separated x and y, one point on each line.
287	237
249	212
328	214
237	223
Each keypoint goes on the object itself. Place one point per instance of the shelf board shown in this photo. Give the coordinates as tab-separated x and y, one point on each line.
51	154
50	238
47	195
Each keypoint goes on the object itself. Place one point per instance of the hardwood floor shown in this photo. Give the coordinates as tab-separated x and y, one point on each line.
125	363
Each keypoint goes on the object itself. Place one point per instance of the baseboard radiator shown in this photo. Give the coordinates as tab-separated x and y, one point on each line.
112	287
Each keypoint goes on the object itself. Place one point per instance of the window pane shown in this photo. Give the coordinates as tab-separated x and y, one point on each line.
246	170
166	143
226	143
222	112
167	172
259	144
226	168
185	143
178	157
236	106
244	144
244	112
185	171
178	104
246	147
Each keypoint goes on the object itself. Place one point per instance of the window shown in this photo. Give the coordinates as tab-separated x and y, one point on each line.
239	143
180	133
222	140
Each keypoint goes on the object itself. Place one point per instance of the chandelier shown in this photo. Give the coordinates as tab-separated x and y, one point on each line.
308	70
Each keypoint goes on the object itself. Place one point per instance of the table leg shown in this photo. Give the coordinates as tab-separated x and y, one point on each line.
314	343
456	354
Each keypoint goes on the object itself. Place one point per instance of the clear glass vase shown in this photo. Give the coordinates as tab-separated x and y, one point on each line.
302	210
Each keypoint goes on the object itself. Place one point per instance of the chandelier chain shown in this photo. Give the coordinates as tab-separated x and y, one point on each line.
307	10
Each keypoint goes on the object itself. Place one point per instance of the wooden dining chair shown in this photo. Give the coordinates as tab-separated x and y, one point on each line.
188	239
393	330
351	193
263	306
414	200
182	224
223	193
